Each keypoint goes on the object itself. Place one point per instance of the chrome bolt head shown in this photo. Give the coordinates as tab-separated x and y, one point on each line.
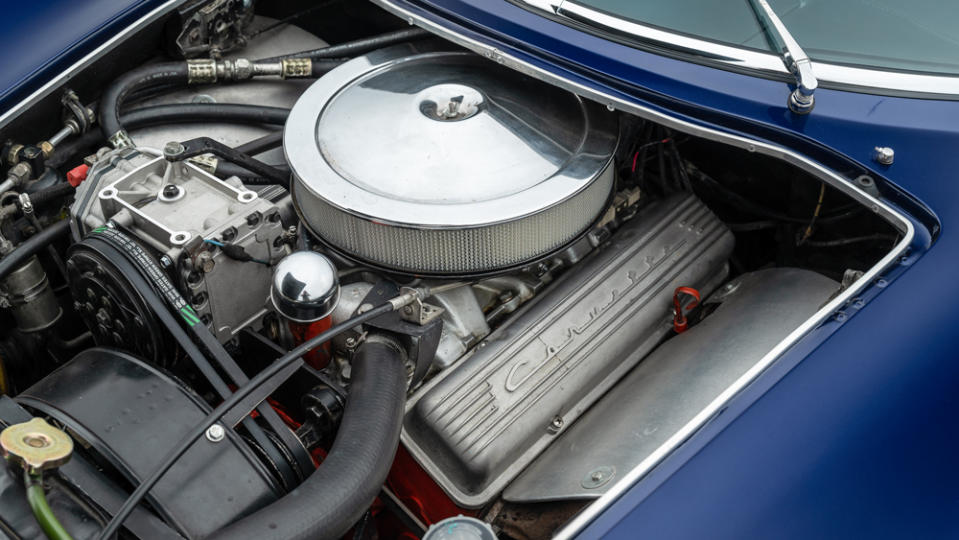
173	149
215	433
884	155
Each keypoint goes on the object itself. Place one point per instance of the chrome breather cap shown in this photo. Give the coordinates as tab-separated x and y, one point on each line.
305	287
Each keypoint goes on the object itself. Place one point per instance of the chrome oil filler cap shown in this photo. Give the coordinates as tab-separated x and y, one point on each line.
305	287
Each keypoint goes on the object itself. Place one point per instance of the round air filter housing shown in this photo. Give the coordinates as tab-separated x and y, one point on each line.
436	162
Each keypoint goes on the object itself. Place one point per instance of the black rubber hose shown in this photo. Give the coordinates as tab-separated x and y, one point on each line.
330	501
262	144
41	198
322	66
136	79
357	47
204	112
84	144
31	246
225	169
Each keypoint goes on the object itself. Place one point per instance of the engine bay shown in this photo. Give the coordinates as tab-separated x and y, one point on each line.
310	272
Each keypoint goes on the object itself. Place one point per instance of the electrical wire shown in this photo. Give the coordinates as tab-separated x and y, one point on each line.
815	215
853	240
288	18
357	47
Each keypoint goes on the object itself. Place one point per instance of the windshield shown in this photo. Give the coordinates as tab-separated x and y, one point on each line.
902	35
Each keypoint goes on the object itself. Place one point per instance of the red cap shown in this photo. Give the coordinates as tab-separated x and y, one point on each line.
680	323
77	175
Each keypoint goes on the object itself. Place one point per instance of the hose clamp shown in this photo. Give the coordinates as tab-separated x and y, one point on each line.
201	71
296	68
120	139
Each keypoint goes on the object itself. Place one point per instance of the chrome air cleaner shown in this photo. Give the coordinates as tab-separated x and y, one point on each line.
430	161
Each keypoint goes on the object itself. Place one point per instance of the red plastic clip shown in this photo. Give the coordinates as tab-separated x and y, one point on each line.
680	324
77	175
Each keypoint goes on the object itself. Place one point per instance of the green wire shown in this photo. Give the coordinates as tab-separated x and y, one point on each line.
41	510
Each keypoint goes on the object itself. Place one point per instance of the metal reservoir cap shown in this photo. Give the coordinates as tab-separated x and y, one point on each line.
460	528
305	287
36	445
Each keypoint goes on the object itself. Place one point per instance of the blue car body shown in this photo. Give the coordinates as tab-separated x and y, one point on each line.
851	432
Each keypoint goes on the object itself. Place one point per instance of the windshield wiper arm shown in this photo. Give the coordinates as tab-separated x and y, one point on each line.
801	100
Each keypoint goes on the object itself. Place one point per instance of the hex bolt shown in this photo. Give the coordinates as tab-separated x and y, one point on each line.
350	342
166	261
205	262
173	150
215	433
598	477
884	155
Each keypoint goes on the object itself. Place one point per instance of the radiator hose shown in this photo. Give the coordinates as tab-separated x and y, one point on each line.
337	495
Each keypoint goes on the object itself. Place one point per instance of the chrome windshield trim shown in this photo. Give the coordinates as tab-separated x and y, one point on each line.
70	72
726	54
814	168
766	64
548	5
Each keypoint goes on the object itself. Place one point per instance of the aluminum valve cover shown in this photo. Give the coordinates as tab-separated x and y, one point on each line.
644	413
480	422
433	161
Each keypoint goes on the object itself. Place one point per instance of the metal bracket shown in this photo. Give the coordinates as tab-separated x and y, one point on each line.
175	151
419	312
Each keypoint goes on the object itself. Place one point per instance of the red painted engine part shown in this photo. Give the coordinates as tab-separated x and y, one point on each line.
319	357
417	490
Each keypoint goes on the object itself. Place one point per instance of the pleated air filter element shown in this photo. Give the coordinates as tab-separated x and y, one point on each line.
436	162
